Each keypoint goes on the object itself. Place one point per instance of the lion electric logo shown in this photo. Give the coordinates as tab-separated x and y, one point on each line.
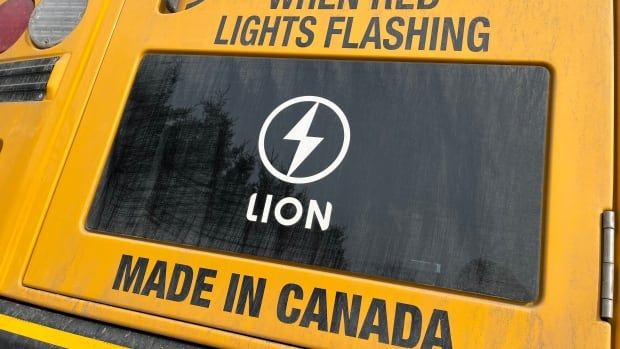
306	145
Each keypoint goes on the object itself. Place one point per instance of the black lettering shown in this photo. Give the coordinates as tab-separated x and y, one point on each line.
352	4
423	5
341	311
130	276
306	30
332	30
318	297
455	36
438	319
271	30
253	33
188	276
483	36
346	41
235	34
325	6
421	33
376	310
401	5
201	285
372	34
232	292
156	280
247	295
312	4
398	337
289	20
434	33
396	34
285	294
220	31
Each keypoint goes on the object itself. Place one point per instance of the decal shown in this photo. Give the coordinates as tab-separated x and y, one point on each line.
417	32
299	133
307	143
335	312
130	278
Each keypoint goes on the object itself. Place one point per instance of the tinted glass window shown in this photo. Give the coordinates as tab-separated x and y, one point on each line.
440	184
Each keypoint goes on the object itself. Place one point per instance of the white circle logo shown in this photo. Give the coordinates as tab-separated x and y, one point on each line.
307	143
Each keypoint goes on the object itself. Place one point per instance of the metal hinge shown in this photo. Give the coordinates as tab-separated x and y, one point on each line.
607	265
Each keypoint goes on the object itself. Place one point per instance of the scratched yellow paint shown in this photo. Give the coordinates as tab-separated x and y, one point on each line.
54	153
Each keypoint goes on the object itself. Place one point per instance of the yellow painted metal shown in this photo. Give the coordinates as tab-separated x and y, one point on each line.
35	138
36	135
573	39
50	335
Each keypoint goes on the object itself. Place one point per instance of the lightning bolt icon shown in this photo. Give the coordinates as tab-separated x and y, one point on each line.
307	144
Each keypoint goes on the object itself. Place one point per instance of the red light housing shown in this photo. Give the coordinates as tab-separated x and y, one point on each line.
14	16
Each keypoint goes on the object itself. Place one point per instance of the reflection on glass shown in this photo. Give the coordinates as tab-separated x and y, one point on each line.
442	184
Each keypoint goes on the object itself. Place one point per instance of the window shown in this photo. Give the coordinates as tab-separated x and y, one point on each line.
441	183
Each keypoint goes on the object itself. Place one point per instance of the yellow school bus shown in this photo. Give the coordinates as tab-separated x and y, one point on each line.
312	173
